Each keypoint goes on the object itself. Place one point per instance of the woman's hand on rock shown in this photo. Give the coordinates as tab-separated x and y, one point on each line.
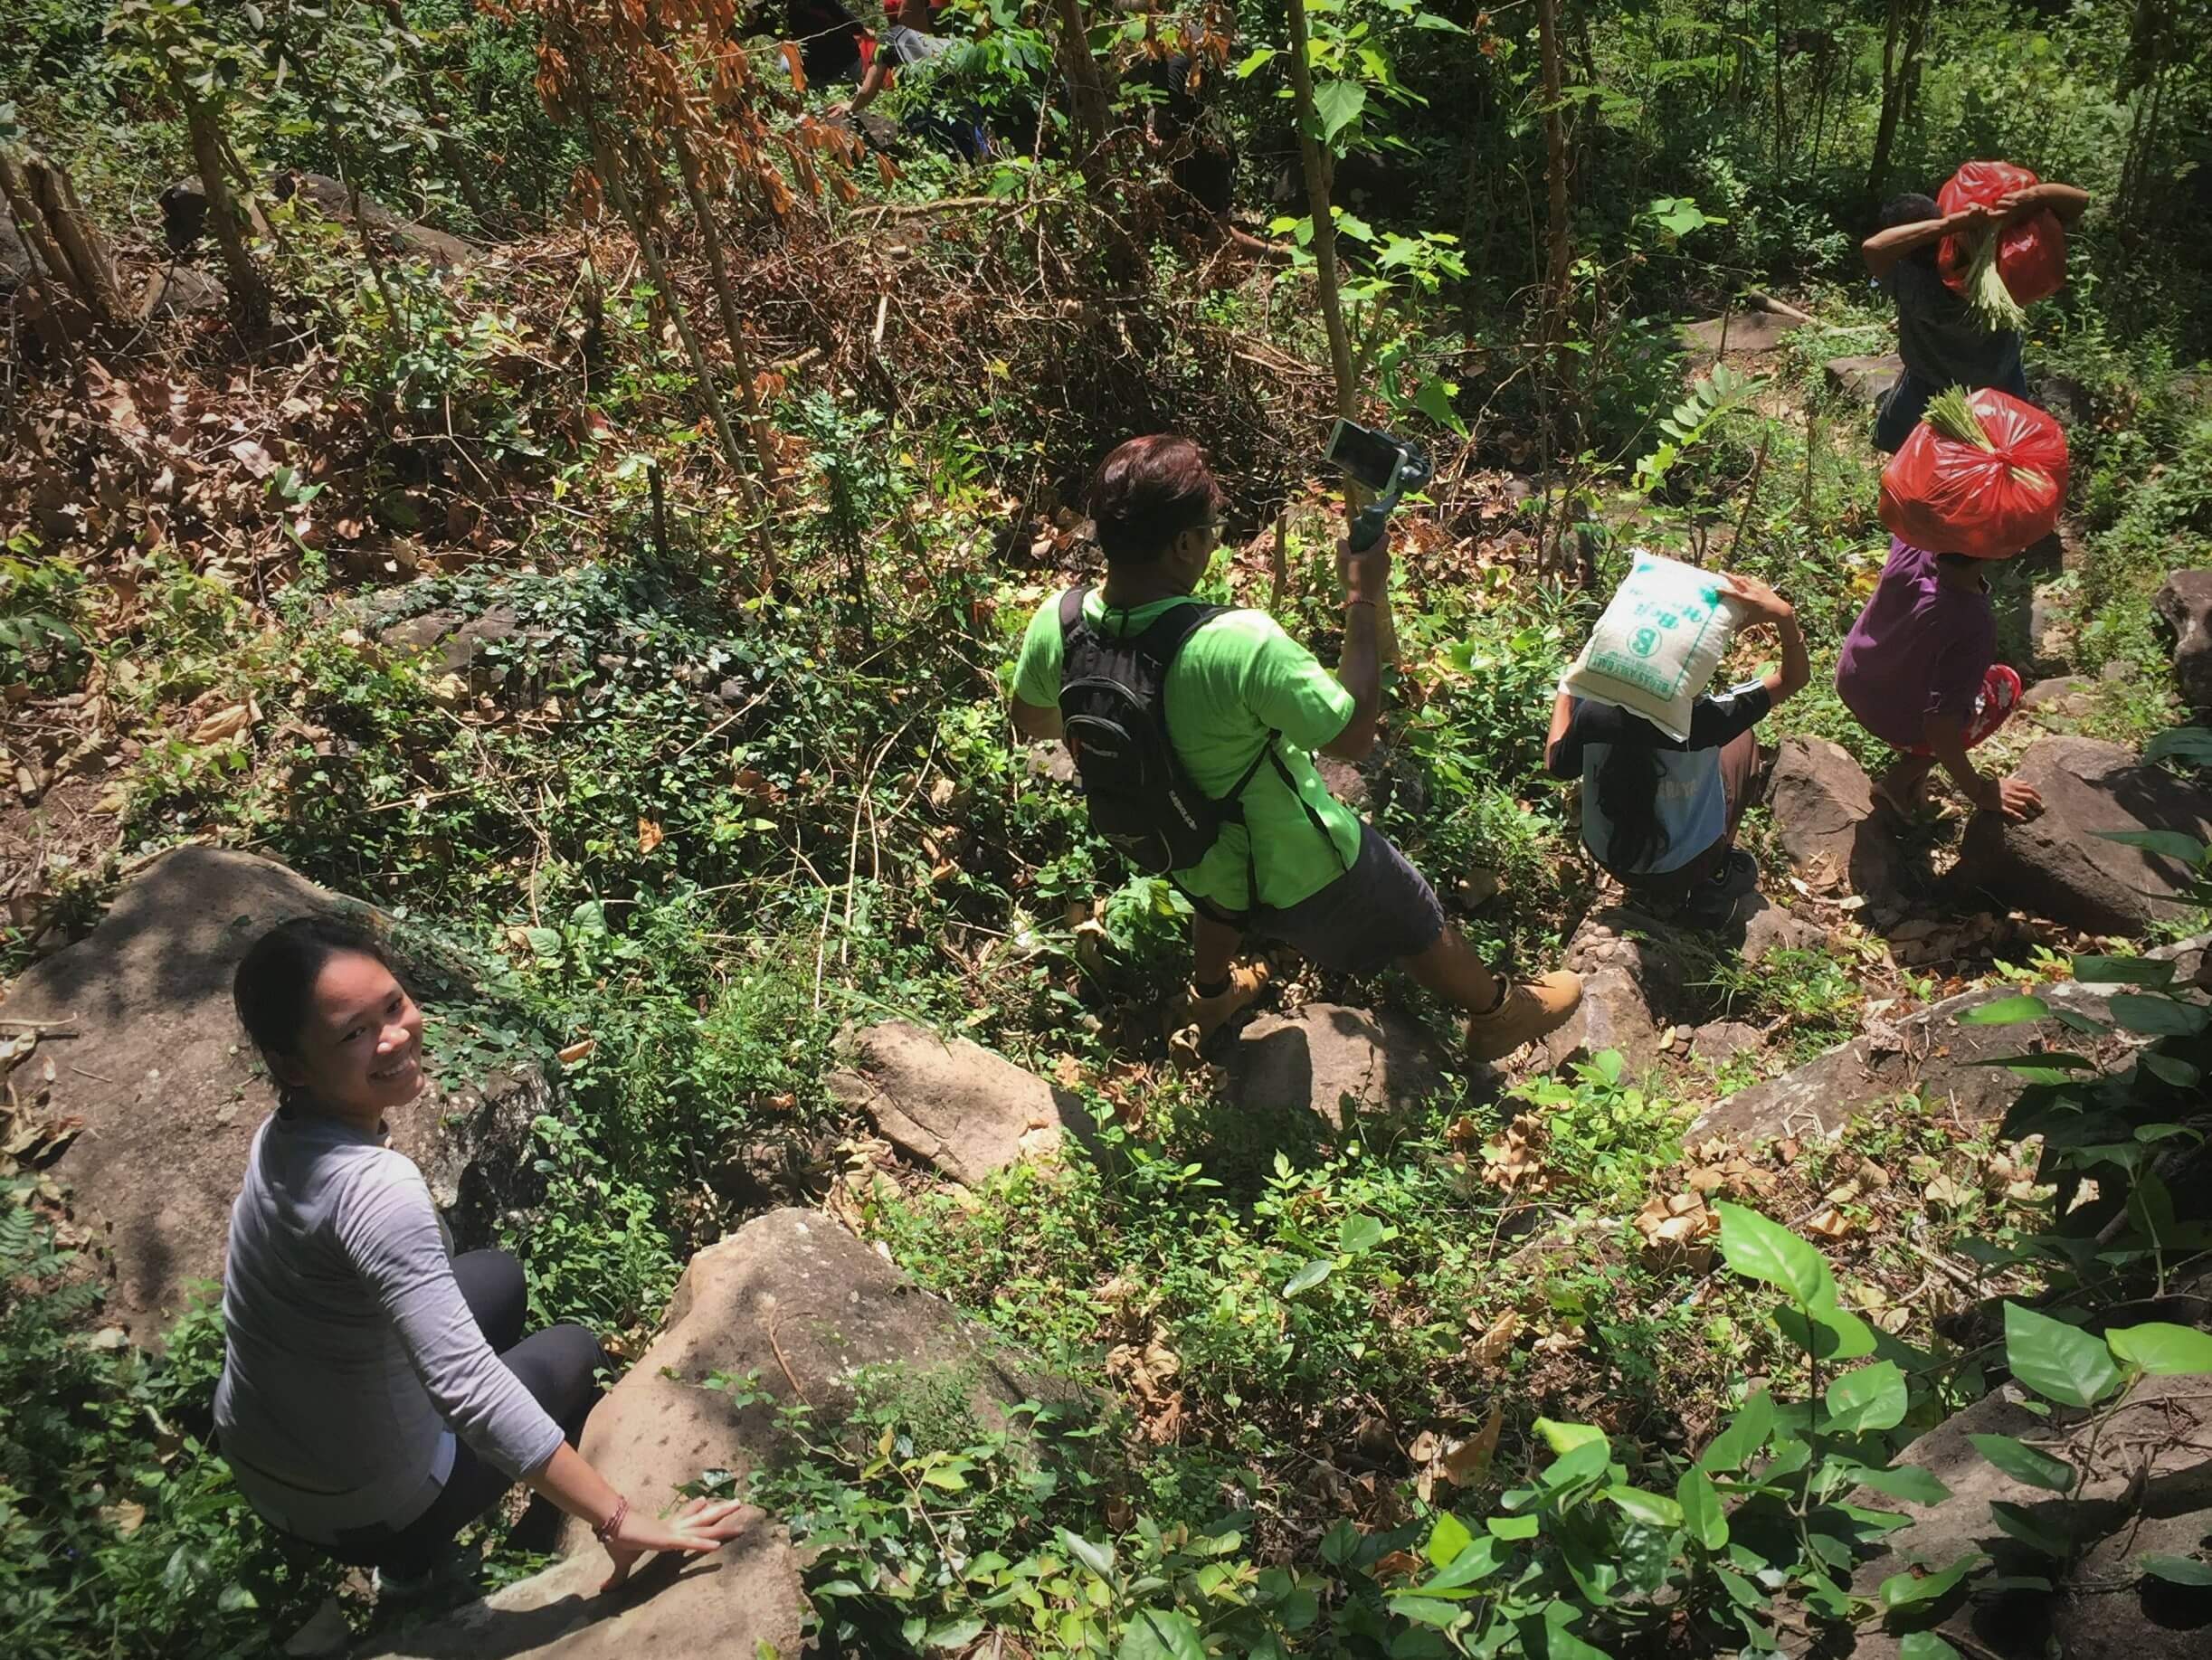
701	1525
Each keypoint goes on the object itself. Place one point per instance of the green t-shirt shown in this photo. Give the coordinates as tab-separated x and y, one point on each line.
1236	680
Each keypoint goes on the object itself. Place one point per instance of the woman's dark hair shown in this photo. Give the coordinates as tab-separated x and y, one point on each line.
1628	796
276	979
1913	208
1956	562
1148	492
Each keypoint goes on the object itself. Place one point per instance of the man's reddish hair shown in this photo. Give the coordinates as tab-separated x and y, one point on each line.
1148	492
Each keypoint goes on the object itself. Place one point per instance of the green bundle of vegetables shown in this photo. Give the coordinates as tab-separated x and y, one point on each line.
1986	291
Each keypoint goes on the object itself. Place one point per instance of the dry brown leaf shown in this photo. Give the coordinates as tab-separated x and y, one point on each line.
1496	1340
577	1050
1066	1071
224	724
649	835
1468	1461
1830	1224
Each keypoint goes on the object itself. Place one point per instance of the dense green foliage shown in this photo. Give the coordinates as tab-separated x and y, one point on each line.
661	823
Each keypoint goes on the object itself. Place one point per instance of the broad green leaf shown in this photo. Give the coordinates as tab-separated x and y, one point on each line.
1740	1589
1476	1560
2162	1350
1909	1482
1909	1591
2006	1012
1648	1508
2191	745
1830	1333
949	1481
960	1632
2168	844
2023	1463
2176	1569
1099	1558
1357	1235
2158	1017
2123	970
1872	1398
1766	1251
2180	1074
1512	1527
1246	69
2056	1360
1565	1438
1581	1464
1434	399
1309	1276
1447	1539
1700	1509
1338	104
1925	1646
1747	1432
2051	1538
1428	1610
1161	1634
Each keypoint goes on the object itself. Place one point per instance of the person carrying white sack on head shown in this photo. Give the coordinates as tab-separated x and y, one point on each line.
1665	768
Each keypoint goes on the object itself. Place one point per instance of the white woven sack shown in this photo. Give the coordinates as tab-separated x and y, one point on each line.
1655	649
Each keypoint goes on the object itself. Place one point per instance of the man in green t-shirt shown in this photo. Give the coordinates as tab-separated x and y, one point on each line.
1329	885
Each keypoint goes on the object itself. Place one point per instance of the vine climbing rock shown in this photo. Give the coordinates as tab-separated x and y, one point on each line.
803	1311
2149	1491
952	1102
2060	864
1824	812
138	1040
1336	1062
748	1595
2185	606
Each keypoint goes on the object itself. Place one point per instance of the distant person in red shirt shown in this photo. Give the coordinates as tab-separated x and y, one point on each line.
1920	670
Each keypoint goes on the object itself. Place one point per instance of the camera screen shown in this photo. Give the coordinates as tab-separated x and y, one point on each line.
1370	457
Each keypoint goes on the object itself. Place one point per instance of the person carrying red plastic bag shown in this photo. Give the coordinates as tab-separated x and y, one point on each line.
1980	478
1942	340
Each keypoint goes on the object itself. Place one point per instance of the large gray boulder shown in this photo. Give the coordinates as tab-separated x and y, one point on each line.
1336	1062
953	1103
746	1599
1928	1051
2185	606
2150	1489
146	1049
1864	380
2060	865
1634	987
1824	812
807	1312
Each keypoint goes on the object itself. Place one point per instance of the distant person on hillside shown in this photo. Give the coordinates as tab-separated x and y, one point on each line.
1660	814
1242	708
1941	340
908	49
377	1393
1920	670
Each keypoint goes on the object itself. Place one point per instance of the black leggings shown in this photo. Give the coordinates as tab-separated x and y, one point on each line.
556	1365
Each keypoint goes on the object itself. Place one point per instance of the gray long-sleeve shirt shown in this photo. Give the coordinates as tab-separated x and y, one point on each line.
351	1360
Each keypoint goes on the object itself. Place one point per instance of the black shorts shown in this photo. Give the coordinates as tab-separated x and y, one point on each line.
1379	912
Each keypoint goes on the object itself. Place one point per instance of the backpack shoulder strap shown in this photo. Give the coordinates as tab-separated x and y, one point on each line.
1167	632
1071	613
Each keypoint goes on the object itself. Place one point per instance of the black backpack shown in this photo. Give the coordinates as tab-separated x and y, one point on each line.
1114	719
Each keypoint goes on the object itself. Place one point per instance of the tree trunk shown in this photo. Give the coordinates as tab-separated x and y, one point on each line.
612	181
90	271
1900	57
249	289
726	299
1316	160
1557	252
1087	94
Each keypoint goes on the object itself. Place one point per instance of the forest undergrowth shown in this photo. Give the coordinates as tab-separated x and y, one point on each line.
673	718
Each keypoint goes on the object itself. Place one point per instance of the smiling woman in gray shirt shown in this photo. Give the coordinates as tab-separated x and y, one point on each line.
377	1393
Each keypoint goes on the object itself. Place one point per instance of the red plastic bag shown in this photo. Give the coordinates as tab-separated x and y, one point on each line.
2031	252
1949	497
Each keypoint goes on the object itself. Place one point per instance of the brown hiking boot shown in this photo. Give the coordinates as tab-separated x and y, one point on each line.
1210	1014
1530	1008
